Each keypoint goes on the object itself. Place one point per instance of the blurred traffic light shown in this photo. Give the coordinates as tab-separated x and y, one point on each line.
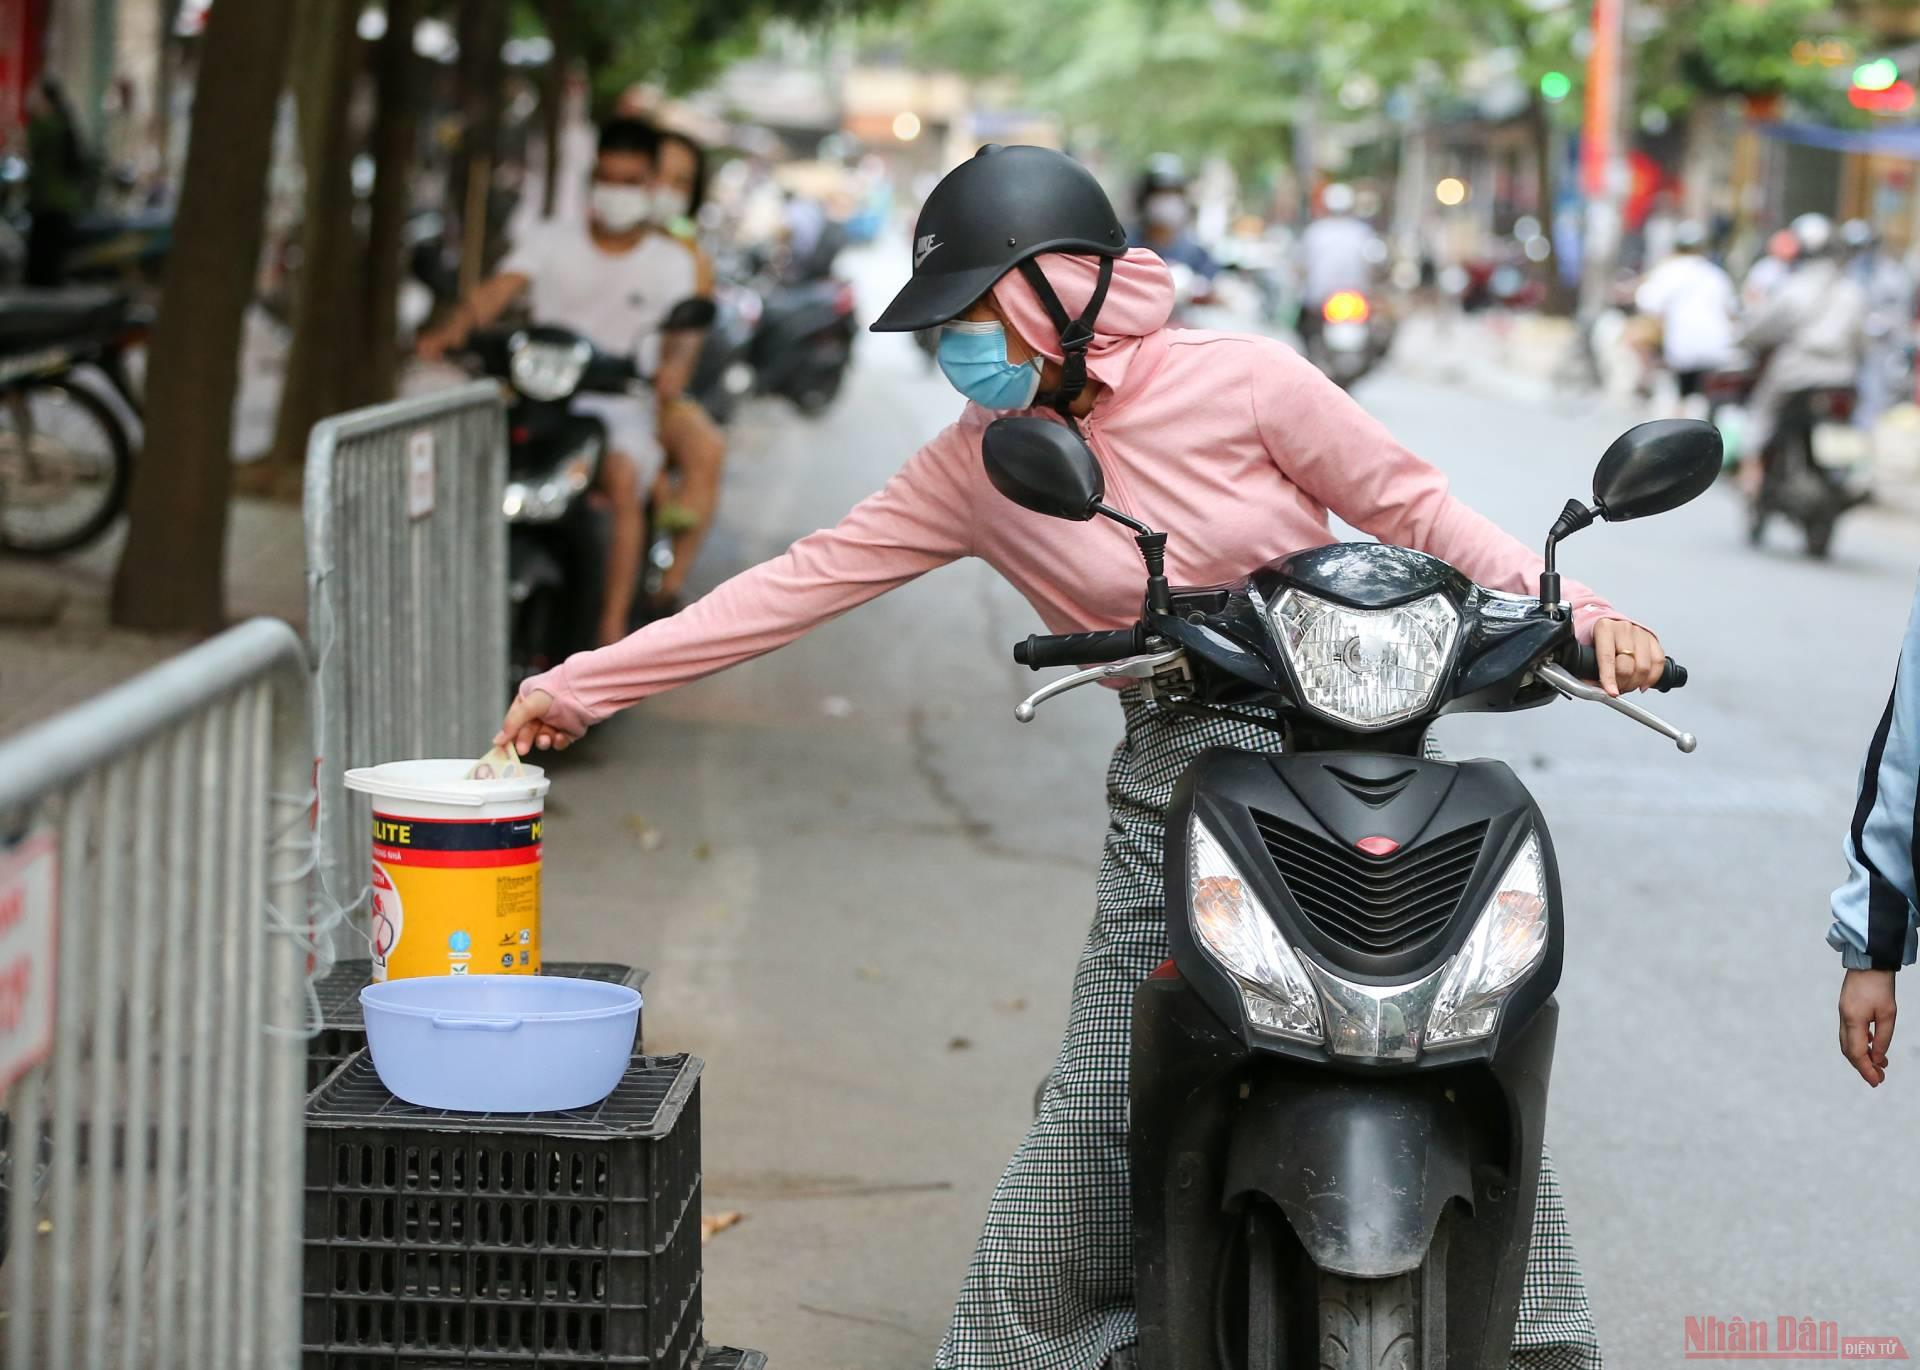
1555	86
1878	89
1879	74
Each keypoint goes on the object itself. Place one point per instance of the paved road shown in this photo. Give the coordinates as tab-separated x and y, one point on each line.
861	888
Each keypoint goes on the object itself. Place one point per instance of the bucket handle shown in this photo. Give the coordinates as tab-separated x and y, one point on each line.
441	1020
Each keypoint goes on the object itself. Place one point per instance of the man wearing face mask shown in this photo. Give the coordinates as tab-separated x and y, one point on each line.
1020	261
615	283
1165	225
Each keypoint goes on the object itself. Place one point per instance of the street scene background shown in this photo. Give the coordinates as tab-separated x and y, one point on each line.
858	883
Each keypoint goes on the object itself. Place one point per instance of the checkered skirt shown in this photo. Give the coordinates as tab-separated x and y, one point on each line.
1050	1286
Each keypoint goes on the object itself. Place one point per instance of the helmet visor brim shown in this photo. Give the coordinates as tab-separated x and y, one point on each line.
931	299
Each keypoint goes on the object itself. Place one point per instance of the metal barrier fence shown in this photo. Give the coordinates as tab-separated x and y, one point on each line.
406	596
155	851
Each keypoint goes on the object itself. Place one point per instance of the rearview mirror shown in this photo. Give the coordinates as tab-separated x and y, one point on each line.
1654	467
1044	466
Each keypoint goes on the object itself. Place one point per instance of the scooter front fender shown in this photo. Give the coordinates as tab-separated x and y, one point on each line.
1362	1168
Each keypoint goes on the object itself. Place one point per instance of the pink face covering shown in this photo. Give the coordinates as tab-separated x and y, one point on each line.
1139	301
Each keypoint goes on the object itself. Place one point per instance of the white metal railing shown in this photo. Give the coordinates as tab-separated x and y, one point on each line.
153	1172
406	596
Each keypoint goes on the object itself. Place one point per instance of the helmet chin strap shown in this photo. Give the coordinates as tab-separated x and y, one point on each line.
1076	335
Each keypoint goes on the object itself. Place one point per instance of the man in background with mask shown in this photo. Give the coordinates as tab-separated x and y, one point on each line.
614	282
1165	225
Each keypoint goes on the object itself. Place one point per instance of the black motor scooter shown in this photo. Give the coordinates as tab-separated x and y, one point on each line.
557	536
1813	467
1339	1080
790	337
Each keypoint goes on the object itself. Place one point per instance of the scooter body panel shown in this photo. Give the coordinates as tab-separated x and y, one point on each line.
1411	1158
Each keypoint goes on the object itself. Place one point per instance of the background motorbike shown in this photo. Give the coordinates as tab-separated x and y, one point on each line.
558	537
66	457
1350	336
1338	1082
776	334
1813	469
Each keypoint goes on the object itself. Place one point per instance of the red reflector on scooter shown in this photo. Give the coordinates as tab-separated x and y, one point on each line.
1378	846
1166	970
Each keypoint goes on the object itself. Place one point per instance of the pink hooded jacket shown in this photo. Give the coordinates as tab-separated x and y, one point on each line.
1232	443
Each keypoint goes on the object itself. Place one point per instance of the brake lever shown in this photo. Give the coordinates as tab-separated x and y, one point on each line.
1574	688
1130	668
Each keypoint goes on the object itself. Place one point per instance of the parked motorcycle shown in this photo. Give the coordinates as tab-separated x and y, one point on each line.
792	339
557	537
1814	468
66	458
1339	1081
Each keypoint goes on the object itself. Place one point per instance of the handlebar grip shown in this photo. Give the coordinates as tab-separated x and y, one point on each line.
1584	662
1079	649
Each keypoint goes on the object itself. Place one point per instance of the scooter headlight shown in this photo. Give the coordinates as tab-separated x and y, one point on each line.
546	499
1505	945
547	370
1367	668
1242	937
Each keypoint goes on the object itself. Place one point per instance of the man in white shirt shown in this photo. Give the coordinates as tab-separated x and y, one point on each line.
1338	251
614	280
1695	303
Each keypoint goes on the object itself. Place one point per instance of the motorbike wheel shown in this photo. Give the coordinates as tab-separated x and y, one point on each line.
65	468
1369	1324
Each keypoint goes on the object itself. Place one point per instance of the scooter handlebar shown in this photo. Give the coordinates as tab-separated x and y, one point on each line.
1584	662
1042	650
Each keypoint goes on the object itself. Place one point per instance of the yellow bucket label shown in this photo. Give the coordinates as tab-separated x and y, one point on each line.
455	896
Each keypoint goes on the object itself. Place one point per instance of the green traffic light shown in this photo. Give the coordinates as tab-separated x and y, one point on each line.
1879	74
1555	86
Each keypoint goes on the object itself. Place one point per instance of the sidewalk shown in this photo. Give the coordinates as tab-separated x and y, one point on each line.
57	648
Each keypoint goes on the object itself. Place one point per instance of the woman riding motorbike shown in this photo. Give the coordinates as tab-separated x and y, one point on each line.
1019	258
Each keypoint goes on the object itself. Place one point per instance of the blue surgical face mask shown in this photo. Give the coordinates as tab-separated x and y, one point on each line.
974	358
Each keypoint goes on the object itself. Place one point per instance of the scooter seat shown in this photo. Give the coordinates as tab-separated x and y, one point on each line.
31	318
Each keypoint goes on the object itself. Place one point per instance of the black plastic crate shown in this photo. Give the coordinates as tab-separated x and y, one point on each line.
683	1352
342	1031
560	1236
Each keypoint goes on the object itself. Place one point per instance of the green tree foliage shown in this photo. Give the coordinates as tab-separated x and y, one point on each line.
1227	77
682	43
1712	48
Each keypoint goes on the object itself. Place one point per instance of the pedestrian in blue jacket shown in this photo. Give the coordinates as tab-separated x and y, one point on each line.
1874	912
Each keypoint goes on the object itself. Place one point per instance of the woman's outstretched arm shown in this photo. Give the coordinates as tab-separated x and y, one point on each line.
919	520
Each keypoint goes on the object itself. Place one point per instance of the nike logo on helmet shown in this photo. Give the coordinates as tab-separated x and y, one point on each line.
923	248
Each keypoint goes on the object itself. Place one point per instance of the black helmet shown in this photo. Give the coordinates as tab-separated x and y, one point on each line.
1000	208
1164	171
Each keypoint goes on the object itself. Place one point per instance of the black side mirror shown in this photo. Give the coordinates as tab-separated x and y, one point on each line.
1654	467
1044	466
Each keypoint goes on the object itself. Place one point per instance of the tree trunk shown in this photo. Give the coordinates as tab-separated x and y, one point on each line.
172	571
553	97
1561	297
395	124
328	293
480	73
